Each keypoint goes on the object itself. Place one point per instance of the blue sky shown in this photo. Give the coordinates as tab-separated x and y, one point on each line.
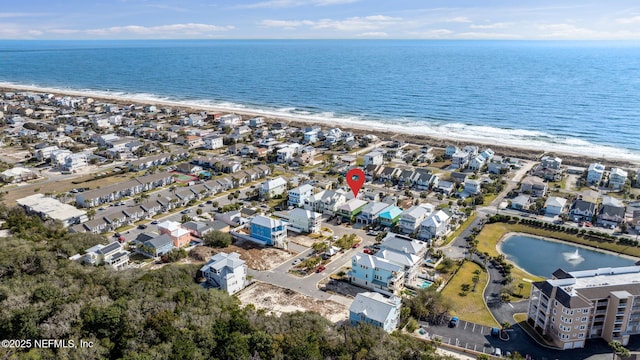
325	19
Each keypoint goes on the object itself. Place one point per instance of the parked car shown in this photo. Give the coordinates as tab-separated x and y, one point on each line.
185	211
209	202
154	222
453	322
320	269
296	261
117	235
355	245
497	352
142	226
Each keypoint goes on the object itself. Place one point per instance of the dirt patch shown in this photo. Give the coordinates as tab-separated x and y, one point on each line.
340	287
279	300
256	257
305	240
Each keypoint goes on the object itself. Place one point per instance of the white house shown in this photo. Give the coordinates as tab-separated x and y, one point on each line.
411	218
472	187
617	178
213	142
594	173
112	255
376	309
551	162
298	196
273	187
306	221
75	162
554	205
375	157
434	226
226	271
476	163
326	202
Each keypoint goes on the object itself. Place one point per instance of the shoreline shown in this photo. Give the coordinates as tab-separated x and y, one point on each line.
582	246
383	131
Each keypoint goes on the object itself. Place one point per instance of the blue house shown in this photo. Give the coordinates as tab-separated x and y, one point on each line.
376	309
268	231
390	216
377	274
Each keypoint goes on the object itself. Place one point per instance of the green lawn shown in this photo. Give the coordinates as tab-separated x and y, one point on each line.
470	307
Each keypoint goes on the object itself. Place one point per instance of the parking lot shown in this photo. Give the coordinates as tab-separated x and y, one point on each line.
467	335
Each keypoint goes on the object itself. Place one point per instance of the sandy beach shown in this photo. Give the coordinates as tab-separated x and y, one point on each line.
528	151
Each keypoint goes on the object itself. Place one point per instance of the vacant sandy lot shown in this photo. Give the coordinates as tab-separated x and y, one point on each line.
279	300
256	257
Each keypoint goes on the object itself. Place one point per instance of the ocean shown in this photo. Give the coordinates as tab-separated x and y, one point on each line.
579	97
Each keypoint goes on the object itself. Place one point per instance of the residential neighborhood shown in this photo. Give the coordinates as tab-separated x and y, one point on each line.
252	201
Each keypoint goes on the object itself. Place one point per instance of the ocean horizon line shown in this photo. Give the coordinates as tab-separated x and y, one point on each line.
532	140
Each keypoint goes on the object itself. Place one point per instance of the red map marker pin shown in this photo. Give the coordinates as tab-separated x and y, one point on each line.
355	179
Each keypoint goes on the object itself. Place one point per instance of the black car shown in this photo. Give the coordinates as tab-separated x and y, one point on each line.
117	235
142	226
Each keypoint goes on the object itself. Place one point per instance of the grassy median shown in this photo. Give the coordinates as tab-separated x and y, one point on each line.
469	305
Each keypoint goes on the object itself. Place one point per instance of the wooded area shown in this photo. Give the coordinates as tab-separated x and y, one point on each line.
154	314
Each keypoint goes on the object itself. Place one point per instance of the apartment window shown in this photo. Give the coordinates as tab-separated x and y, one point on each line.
583	327
584	319
553	319
571	312
554	311
581	335
585	311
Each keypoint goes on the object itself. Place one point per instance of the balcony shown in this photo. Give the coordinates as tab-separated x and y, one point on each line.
601	312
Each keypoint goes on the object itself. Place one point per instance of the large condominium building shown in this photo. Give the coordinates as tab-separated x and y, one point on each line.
575	306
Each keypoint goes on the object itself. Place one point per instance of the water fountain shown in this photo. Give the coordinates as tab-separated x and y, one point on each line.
573	257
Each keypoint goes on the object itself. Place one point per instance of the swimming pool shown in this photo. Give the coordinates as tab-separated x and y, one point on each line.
426	284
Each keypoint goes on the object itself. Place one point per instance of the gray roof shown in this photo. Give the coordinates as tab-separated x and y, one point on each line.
373	305
223	260
159	241
266	221
110	248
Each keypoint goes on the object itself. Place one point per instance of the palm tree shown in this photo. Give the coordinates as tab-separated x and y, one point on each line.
619	350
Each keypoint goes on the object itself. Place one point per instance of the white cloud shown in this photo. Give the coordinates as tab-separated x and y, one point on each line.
629	20
172	30
6	15
294	3
286	24
357	23
432	34
573	32
498	25
459	19
486	36
374	34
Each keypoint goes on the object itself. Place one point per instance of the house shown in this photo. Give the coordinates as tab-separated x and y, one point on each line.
583	210
212	142
612	211
18	174
390	216
273	187
298	196
445	187
304	221
617	179
268	231
74	162
349	210
450	150
376	309
377	274
554	206
459	177
229	120
411	218
178	234
521	202
50	208
256	122
197	228
551	162
404	244
155	246
371	212
459	160
310	136
226	272
594	173
436	225
425	180
375	157
476	163
472	187
487	154
534	185
326	202
112	255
